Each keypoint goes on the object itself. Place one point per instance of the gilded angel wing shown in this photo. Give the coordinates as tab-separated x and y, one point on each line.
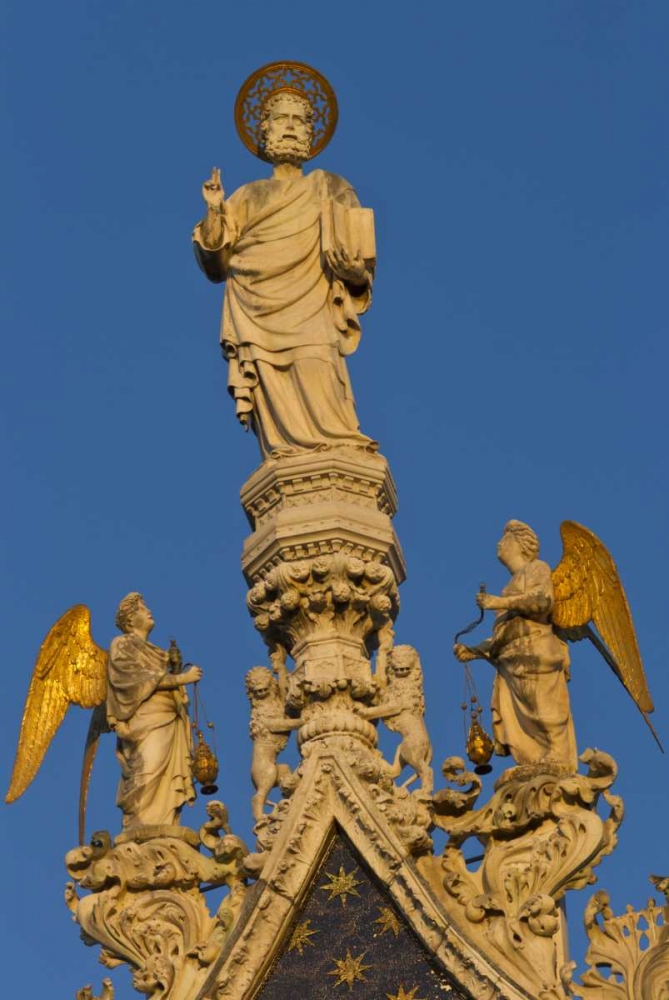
588	589
71	669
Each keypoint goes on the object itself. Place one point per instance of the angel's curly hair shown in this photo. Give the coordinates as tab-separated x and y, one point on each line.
126	610
527	538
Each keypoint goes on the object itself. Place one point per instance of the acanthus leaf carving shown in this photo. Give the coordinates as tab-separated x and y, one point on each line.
542	836
146	909
628	955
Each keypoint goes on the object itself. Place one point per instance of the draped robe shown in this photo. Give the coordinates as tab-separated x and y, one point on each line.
530	705
153	734
288	321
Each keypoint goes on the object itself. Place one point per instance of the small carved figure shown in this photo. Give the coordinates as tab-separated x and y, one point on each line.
402	708
537	610
134	692
86	992
269	731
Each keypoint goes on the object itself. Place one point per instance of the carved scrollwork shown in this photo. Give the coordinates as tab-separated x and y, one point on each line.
542	836
628	955
86	992
145	907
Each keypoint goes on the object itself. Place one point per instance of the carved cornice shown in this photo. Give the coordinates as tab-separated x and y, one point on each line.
335	475
319	504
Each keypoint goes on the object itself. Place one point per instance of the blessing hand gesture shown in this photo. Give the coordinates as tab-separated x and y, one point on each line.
212	191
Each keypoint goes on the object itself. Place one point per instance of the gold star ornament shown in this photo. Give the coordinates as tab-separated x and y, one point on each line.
342	885
349	970
403	995
300	937
387	922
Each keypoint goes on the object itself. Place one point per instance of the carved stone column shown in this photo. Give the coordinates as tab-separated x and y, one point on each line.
324	564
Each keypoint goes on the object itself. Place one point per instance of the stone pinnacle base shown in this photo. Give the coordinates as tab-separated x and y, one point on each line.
320	503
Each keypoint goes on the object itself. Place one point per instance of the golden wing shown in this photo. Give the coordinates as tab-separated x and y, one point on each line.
71	669
587	589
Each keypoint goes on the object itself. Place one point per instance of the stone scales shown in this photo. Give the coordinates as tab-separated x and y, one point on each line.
342	892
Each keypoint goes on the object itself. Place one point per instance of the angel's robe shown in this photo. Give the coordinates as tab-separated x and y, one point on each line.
153	734
532	719
288	322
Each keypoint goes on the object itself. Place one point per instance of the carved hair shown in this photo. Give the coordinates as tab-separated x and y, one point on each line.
293	98
262	674
412	683
526	537
127	609
404	655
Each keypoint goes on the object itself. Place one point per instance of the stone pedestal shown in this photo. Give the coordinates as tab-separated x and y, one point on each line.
314	504
324	564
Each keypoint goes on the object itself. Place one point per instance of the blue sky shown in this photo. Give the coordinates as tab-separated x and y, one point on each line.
513	363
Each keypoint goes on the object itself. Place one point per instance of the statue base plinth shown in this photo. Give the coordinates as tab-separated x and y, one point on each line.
526	772
142	834
319	503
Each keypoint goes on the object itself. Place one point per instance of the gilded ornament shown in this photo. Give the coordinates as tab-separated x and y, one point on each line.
479	747
403	995
125	685
387	921
301	937
205	765
342	885
349	970
292	77
538	611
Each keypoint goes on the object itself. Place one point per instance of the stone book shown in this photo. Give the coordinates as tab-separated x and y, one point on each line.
350	228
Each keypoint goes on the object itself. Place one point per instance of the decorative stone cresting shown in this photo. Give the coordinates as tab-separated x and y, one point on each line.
145	907
628	956
542	836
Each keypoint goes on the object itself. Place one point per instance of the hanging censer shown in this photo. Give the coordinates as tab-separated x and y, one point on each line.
478	744
204	762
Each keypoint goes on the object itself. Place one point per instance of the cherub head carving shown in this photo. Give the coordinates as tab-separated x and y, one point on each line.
286	127
260	684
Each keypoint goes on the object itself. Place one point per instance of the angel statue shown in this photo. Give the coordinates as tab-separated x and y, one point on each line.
298	255
135	693
537	611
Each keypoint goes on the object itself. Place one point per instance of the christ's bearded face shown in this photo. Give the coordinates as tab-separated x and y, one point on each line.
287	129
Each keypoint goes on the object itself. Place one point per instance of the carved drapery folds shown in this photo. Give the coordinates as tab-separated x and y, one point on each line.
145	908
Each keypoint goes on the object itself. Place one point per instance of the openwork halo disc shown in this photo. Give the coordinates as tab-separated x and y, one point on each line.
292	76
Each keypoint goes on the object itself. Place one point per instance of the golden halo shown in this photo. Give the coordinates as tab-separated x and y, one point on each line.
291	76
